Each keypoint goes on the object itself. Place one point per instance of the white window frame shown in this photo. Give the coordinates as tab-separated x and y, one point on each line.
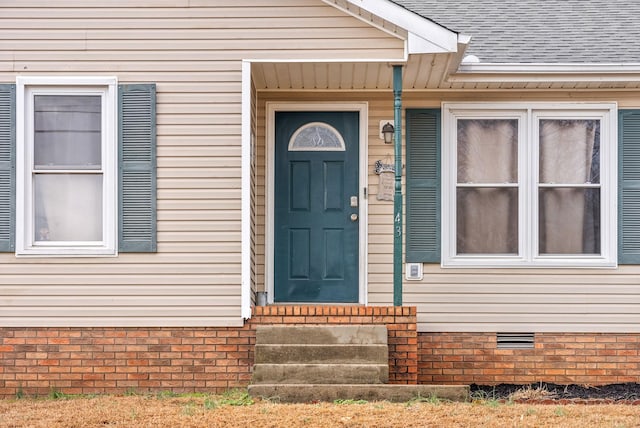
528	115
26	89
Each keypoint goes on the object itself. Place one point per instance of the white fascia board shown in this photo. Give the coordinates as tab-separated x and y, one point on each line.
456	60
425	36
245	286
419	45
587	72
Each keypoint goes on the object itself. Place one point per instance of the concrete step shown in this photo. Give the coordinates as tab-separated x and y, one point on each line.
321	334
320	373
323	392
317	354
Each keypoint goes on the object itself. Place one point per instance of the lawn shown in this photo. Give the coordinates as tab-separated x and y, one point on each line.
236	409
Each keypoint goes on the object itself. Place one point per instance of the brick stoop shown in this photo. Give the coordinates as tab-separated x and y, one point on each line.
321	357
400	322
314	354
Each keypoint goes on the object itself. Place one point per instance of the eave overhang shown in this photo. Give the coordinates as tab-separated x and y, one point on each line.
422	35
613	71
540	76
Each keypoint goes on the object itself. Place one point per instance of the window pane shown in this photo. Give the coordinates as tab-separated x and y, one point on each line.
317	136
67	131
569	151
68	207
487	221
569	221
487	151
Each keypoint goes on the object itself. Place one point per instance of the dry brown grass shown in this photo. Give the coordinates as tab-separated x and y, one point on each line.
236	411
532	393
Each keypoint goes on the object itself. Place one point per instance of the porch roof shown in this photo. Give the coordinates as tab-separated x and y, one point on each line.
421	72
511	44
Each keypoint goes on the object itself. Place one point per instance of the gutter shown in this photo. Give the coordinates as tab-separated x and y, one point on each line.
545	72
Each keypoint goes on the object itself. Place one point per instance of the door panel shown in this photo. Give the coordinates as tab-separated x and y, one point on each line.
333	182
300	254
316	240
300	185
333	254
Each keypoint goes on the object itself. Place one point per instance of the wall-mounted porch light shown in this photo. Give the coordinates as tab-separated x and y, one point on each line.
387	132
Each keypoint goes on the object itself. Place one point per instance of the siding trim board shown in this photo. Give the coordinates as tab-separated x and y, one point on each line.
248	153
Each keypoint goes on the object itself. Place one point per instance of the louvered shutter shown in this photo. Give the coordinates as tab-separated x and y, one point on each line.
137	168
7	167
423	186
629	187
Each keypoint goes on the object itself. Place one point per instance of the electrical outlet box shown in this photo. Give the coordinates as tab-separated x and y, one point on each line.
414	271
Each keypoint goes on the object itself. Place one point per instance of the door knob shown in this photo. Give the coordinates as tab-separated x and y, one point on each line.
354	217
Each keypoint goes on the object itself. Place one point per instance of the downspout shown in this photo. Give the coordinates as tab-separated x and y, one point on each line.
397	198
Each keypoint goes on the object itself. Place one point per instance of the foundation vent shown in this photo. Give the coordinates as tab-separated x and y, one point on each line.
515	340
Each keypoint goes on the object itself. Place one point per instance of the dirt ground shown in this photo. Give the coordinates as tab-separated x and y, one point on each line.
627	392
238	410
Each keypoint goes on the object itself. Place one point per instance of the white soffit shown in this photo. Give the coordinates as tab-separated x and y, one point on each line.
592	76
421	34
420	72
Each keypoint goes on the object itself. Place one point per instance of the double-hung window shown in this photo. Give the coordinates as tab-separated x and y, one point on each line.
529	184
66	166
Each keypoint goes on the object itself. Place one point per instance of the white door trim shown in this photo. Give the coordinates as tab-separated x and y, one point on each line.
271	109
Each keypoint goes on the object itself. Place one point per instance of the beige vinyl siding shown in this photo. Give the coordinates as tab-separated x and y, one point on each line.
484	300
559	300
193	51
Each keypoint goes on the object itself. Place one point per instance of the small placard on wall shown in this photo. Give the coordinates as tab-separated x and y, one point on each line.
414	271
386	186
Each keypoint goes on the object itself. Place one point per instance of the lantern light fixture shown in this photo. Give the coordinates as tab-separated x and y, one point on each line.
387	132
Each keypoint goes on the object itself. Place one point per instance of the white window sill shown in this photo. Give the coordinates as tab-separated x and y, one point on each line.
484	262
67	252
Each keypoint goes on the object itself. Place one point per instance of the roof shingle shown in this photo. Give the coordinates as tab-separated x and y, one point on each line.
541	31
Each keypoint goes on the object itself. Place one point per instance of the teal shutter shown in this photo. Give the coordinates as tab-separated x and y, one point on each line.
423	186
137	168
629	187
7	167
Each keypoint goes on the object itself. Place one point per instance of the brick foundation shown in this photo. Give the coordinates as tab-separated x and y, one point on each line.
35	361
562	358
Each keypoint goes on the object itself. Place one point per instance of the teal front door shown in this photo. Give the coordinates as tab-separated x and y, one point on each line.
316	207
